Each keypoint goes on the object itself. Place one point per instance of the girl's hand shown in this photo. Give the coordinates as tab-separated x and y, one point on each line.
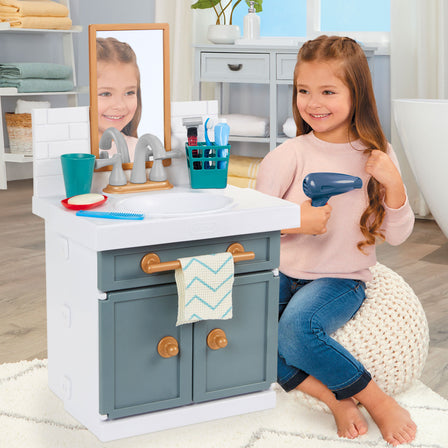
313	220
380	166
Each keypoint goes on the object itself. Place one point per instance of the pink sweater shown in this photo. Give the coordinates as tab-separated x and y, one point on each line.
333	254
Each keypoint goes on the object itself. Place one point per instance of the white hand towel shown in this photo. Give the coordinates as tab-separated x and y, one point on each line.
247	125
289	127
204	287
25	107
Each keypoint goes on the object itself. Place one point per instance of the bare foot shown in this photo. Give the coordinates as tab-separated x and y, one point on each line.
349	420
394	422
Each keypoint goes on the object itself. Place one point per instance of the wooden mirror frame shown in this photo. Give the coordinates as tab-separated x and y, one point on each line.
113	28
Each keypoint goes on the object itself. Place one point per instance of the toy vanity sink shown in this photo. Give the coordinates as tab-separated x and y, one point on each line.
171	216
174	203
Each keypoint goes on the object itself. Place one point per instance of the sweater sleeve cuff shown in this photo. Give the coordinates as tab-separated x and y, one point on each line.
398	222
397	210
398	215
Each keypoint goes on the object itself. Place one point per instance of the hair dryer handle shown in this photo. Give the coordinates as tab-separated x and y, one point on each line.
320	202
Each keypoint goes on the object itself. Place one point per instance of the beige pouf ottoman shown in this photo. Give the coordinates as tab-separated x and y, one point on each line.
389	334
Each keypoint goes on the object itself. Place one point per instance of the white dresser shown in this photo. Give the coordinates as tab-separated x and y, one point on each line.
271	65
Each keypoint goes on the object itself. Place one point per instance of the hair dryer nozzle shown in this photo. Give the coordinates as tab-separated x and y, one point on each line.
320	187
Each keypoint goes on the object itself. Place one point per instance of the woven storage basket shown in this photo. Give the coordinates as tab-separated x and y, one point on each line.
19	133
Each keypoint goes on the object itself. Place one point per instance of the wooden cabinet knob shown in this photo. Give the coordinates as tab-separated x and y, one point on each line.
217	339
168	347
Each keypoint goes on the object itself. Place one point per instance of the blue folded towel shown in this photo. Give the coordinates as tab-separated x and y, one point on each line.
31	85
204	287
23	70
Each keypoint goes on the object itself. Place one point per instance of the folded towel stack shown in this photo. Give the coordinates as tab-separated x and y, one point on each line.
247	125
242	171
42	14
30	77
26	107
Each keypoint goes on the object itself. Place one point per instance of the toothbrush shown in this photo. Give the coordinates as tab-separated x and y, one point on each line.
110	215
209	123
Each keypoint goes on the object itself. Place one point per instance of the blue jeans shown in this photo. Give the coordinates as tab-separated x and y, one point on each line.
310	310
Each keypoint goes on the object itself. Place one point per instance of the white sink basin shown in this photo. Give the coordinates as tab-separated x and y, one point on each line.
174	203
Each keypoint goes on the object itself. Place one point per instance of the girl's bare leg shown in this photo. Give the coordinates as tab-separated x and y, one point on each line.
349	420
394	422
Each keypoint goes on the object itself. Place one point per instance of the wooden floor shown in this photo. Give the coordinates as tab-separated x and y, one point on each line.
422	260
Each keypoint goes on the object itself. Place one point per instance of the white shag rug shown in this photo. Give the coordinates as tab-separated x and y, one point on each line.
32	416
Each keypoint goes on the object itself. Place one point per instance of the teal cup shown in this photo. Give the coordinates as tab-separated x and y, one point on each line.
78	173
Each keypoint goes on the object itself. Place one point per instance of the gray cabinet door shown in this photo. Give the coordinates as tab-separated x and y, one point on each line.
134	378
249	361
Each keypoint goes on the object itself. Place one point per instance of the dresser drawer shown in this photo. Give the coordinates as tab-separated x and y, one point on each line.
285	66
235	67
121	269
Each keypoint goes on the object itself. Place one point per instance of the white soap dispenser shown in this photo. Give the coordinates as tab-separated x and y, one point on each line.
251	24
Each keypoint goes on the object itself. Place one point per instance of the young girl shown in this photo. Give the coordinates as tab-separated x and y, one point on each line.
119	96
325	263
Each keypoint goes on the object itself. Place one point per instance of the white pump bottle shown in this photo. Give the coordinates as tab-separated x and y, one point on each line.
251	24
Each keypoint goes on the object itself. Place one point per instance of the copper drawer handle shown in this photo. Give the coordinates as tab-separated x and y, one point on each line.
235	67
150	263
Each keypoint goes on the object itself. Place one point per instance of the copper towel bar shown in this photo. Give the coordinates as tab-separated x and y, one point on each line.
151	262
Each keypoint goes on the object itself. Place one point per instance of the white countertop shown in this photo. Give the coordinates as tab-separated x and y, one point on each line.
252	212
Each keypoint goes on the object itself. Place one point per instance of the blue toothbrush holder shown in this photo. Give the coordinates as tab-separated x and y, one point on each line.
208	165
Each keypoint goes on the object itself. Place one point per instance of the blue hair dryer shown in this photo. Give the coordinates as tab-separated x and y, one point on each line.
319	187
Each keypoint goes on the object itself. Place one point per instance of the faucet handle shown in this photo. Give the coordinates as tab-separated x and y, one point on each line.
174	154
117	176
158	173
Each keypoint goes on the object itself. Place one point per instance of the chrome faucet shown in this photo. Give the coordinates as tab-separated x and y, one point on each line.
147	145
117	177
150	145
143	150
112	134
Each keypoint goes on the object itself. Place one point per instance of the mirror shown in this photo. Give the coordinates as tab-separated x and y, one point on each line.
129	83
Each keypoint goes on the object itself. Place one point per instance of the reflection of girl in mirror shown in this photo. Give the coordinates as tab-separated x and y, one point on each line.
119	95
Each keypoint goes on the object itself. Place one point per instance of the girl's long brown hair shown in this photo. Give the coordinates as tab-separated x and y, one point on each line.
112	50
355	73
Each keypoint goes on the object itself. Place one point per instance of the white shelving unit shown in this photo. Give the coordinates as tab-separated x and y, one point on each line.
72	96
271	64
